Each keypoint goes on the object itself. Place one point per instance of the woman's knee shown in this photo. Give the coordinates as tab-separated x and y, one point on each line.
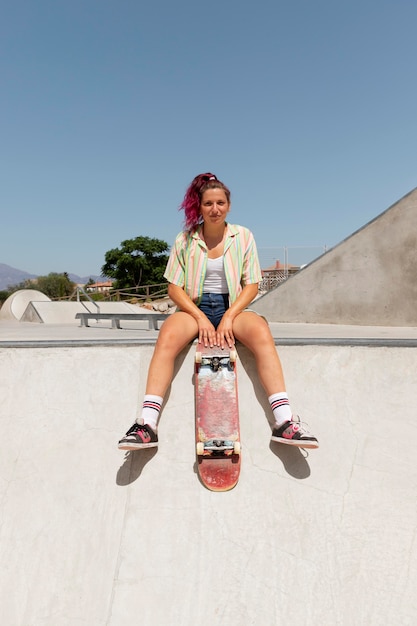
176	332
249	323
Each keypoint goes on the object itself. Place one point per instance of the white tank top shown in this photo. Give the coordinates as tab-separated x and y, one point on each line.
215	280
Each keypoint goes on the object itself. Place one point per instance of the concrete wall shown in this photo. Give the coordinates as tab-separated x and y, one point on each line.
370	278
91	536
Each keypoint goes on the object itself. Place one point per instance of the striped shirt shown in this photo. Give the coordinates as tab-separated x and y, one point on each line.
187	262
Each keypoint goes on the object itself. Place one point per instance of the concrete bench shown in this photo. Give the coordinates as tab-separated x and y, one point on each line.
151	318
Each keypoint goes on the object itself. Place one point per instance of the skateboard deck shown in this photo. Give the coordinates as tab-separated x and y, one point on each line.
217	417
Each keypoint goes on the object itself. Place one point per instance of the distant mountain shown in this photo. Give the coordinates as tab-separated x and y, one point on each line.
84	279
10	276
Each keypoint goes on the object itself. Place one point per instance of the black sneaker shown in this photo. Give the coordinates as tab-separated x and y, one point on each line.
294	433
137	437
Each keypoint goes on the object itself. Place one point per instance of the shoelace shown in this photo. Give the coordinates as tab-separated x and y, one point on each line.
302	427
136	428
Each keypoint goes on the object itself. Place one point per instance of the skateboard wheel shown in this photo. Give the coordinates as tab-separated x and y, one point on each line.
236	447
200	448
232	356
198	357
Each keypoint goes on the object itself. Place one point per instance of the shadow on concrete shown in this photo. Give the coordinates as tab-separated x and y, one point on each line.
135	461
133	465
293	459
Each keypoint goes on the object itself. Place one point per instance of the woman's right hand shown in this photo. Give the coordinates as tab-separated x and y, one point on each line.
206	332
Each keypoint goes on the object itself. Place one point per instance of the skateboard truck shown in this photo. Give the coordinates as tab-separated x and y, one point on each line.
213	447
216	362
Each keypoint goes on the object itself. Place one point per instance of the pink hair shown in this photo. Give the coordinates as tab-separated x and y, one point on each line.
192	199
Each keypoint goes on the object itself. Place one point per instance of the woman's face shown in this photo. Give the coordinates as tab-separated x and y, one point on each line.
214	206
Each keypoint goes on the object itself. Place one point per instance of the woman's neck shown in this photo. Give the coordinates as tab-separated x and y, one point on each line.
214	238
213	235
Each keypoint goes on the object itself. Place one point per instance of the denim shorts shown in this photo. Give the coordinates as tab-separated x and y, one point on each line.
214	306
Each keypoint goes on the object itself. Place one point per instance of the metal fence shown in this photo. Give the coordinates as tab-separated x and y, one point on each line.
278	263
290	255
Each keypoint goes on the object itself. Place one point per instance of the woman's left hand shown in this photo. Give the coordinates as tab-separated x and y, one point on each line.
224	332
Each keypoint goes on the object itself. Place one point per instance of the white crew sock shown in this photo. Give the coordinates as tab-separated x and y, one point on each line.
150	411
280	407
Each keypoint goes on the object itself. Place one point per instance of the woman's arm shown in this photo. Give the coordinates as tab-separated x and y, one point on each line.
246	296
225	328
206	331
184	302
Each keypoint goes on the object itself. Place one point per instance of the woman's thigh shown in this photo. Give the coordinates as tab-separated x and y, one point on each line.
176	332
252	330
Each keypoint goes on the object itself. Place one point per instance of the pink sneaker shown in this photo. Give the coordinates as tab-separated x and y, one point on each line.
137	437
294	433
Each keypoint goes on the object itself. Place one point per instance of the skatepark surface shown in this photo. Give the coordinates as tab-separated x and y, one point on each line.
93	536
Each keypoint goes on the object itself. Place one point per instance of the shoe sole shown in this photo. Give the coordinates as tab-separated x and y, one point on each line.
298	443
137	446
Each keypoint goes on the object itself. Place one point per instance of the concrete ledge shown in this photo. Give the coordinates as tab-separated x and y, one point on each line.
27	335
150	340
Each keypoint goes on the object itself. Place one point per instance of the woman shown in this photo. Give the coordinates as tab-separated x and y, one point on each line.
213	273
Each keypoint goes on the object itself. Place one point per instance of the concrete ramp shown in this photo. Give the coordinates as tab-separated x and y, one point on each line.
16	304
368	279
65	312
93	536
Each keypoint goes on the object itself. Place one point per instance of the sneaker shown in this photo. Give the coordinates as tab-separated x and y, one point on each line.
294	433
137	437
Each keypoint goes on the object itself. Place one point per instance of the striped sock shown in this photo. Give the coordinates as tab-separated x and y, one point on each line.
150	411
280	407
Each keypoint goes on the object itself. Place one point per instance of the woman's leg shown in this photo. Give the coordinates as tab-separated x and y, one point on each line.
253	331
176	332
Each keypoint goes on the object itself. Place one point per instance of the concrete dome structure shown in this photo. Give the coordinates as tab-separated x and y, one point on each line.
16	304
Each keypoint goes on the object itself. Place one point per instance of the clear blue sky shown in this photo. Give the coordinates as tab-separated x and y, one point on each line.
306	109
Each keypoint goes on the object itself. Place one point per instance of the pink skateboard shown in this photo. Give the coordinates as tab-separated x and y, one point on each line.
217	417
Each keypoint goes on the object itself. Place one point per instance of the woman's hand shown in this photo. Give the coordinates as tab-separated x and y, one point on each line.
224	333
206	332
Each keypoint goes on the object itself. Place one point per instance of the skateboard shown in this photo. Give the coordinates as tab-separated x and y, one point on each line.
217	417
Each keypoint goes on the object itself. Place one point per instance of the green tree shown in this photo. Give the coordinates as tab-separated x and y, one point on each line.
3	296
25	284
140	261
55	285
